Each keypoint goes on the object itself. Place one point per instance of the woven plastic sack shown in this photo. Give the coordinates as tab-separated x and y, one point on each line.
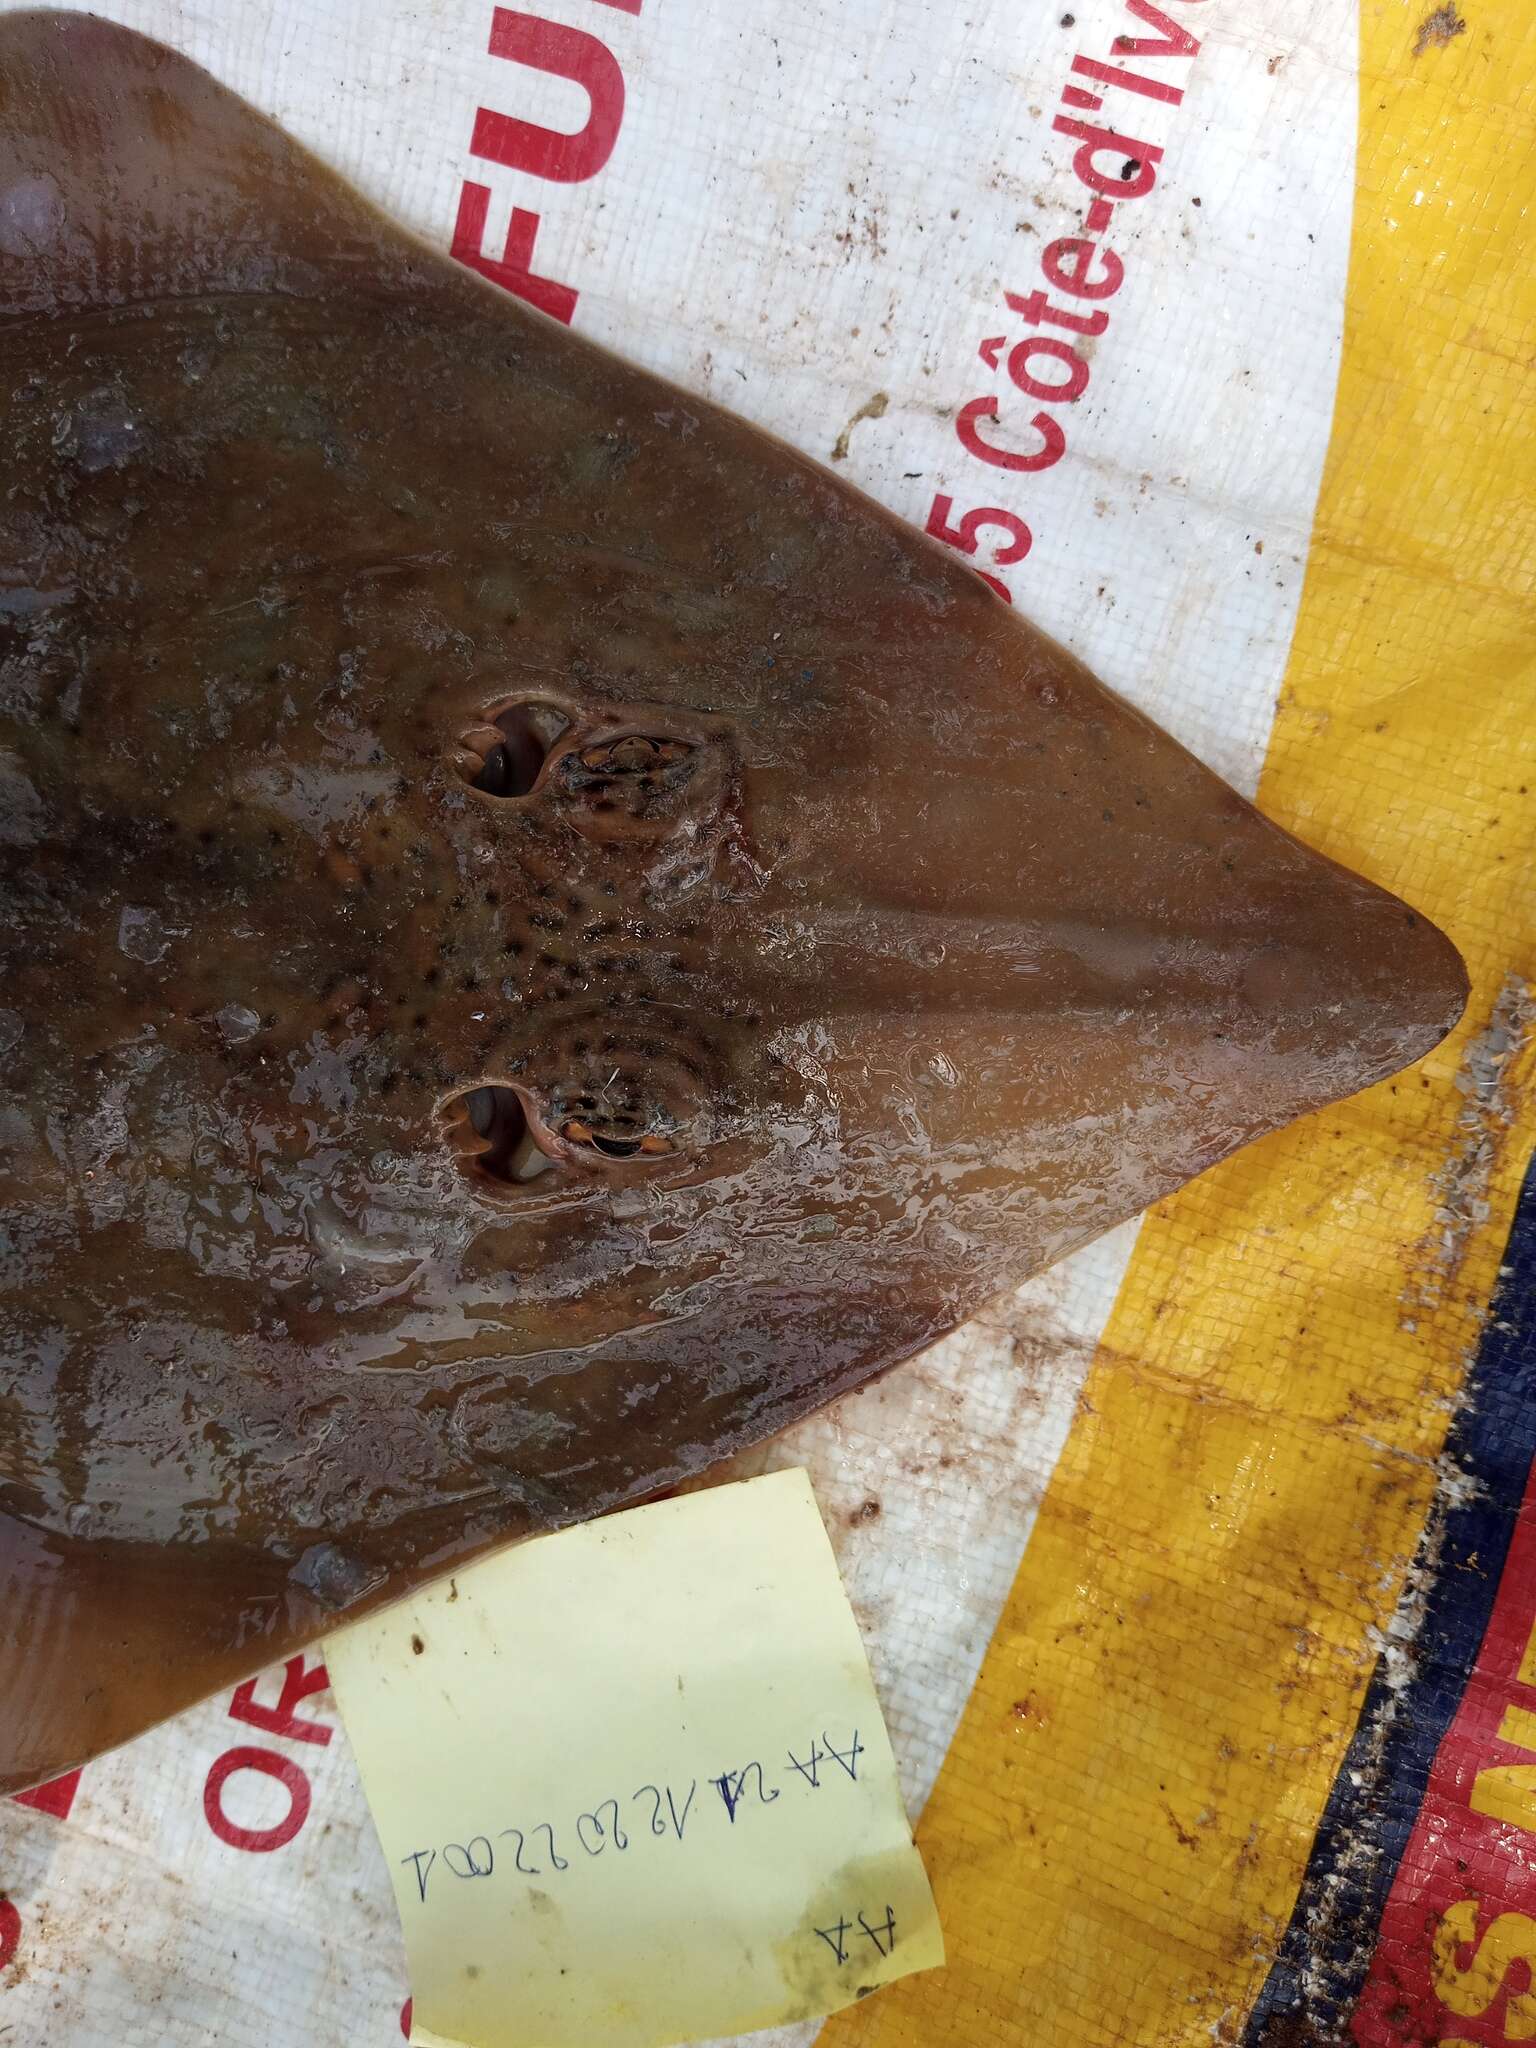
1198	1578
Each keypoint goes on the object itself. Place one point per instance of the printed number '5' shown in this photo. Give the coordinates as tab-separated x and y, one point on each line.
966	536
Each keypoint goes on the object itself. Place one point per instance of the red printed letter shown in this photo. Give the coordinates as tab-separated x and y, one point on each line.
1053	440
1071	387
964	536
56	1797
10	1932
1067	263
1174	41
1037	309
259	1840
513	269
566	53
1133	170
1128	81
298	1684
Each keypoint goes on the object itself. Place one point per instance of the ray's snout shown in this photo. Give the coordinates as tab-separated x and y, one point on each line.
1017	883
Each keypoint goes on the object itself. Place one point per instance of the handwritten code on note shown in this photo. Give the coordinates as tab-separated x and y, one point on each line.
633	1785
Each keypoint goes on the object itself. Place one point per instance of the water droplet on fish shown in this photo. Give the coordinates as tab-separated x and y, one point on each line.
100	433
237	1022
141	934
31	215
332	1577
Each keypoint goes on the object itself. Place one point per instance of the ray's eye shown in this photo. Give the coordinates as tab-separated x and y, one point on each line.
497	1136
637	759
506	756
637	786
609	1144
614	1119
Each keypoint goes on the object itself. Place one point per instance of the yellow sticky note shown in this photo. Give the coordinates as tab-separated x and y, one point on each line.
633	1785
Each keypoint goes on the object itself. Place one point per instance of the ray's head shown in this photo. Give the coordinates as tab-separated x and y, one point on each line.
574	879
882	961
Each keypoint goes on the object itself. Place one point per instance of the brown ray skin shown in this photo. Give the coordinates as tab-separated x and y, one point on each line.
931	961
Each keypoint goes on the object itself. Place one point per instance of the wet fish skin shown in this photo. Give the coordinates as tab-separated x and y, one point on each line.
916	956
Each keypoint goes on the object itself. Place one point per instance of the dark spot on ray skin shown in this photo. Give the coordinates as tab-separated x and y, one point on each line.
653	1044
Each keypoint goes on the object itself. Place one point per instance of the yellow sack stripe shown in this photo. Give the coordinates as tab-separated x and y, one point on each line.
1120	1829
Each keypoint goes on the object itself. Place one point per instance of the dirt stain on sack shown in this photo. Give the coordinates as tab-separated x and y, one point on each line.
872	409
1438	28
1493	1080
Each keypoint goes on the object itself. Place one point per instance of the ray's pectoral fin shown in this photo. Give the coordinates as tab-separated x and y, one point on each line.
126	171
89	1626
